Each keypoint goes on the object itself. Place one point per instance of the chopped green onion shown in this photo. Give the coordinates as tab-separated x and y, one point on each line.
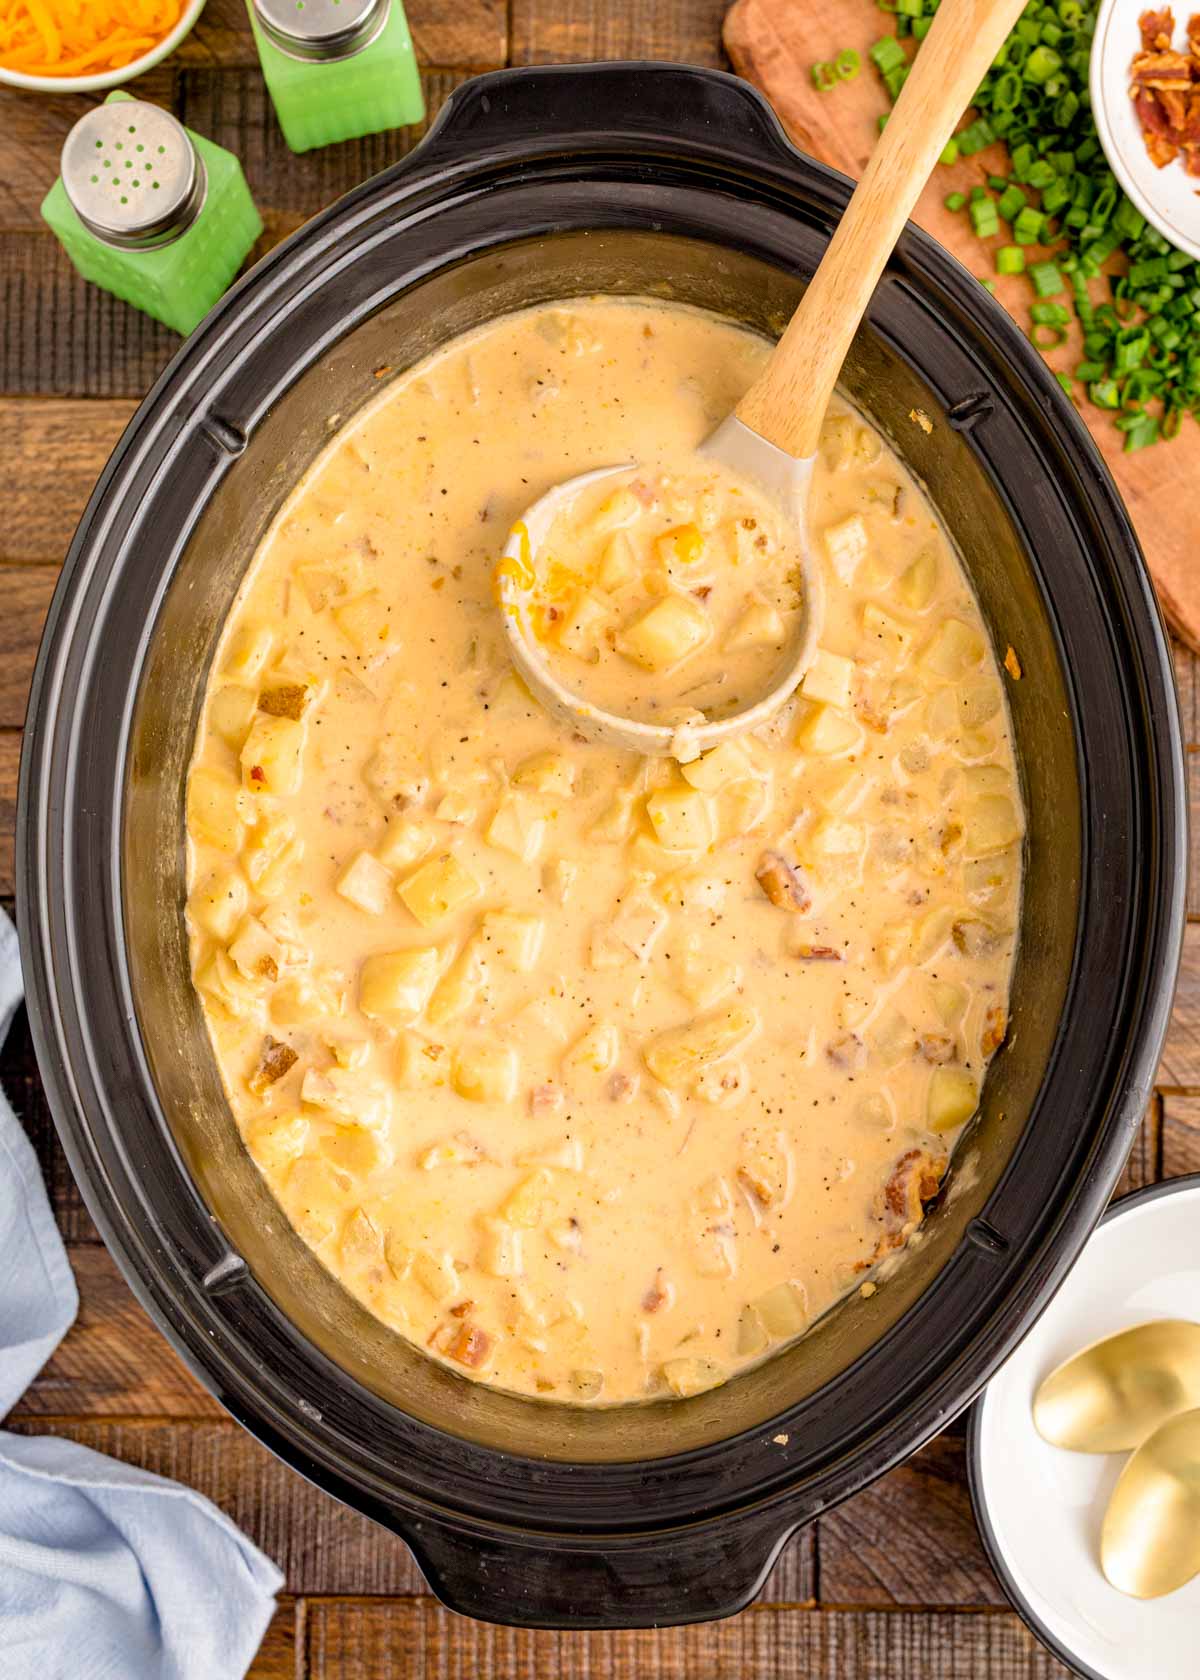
887	54
1011	200
955	200
1027	228
847	64
1047	280
824	76
1041	64
983	217
1010	259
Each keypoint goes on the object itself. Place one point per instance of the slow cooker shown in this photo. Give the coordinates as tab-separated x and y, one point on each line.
537	184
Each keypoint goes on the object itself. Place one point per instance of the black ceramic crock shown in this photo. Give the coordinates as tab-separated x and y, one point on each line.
537	184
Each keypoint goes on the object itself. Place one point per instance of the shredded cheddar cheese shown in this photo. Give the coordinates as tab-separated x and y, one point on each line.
81	37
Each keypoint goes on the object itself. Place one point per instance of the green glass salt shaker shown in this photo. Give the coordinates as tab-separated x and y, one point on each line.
150	211
336	69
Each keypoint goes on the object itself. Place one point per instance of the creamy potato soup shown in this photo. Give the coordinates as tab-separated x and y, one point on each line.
598	1077
671	597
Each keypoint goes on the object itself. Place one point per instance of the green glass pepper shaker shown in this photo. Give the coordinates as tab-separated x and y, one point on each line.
337	69
150	211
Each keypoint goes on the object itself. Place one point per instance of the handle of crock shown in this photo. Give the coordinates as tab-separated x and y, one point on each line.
686	1575
664	107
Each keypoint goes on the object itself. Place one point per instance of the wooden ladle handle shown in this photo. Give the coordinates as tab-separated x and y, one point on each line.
787	402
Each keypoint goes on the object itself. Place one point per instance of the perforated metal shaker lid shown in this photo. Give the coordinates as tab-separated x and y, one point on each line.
132	175
321	29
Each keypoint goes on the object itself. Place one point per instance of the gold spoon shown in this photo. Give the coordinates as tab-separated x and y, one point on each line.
1150	1543
1116	1393
771	437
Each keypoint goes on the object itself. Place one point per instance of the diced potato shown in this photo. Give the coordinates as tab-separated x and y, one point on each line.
687	1376
893	1038
287	699
559	877
978	703
991	878
783	1311
398	984
683	546
932	931
366	884
705	980
356	1150
218	904
665	633
349	1050
404	843
830	679
681	818
595	1052
526	1206
513	937
499	1249
275	1140
436	1273
941	714
271	755
615	822
839	788
990	824
419	1063
580	629
620	507
638	924
456	807
231	712
459	987
893	946
438	888
765	1169
953	650
917	582
743	806
987	778
319	585
760	625
827	732
546	772
214	810
457	1151
949	999
485	1072
248	651
751	1332
887	640
833	837
367	623
689	889
846	546
953	1098
678	1056
314	1196
618	563
518	827
723	763
586	1385
351	1094
566	1153
361	1241
396	773
256	953
299	1001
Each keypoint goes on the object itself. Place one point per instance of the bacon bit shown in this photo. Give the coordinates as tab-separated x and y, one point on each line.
274	1060
621	1088
658	1294
382	372
703	592
916	1179
286	701
919	417
462	1309
545	1099
471	1346
817	953
995	1026
257	773
846	1051
1012	664
1165	91
783	883
937	1047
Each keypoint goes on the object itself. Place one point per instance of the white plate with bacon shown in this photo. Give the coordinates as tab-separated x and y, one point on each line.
1145	84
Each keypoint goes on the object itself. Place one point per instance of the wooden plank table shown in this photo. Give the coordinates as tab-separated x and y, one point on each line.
892	1586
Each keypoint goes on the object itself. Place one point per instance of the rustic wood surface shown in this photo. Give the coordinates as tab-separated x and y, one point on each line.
894	1585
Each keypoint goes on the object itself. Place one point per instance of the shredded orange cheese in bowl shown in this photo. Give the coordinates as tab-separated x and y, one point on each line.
55	38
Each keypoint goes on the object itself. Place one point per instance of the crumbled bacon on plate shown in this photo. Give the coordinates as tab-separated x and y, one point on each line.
1165	89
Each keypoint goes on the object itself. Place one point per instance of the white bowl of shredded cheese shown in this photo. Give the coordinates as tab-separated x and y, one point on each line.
99	81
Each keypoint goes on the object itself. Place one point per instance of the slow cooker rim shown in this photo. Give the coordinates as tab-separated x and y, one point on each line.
49	1025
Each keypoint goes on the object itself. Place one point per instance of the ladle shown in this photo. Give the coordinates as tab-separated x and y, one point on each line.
772	435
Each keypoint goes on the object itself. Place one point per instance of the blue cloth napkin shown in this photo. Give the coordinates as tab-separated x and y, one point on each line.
106	1572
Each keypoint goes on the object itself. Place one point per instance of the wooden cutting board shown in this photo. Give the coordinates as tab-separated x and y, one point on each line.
774	43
